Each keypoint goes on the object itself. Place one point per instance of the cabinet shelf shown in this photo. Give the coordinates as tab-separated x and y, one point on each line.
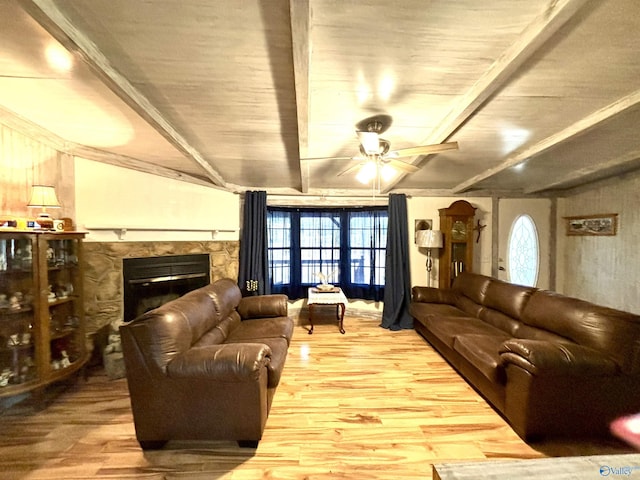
62	300
18	311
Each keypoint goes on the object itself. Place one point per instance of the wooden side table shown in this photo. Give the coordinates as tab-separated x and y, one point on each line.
337	298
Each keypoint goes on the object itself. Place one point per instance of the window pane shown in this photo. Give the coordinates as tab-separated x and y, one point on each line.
320	246
345	244
523	259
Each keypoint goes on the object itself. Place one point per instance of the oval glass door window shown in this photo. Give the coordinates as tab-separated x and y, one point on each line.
523	256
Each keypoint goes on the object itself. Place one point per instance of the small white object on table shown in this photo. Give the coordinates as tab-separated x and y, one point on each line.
330	297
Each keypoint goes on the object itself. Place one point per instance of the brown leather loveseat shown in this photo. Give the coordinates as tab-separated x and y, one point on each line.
206	365
550	364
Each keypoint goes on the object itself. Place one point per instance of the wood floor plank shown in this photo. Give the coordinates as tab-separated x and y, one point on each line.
369	404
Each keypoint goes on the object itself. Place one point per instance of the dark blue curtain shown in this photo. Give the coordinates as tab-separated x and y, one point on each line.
252	274
397	291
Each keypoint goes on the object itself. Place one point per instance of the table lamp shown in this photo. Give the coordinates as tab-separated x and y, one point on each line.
44	196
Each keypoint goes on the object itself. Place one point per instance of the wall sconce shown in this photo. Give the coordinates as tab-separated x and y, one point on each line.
44	196
429	239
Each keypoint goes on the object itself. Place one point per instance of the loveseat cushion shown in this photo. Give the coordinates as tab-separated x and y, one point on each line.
228	363
263	306
446	329
225	295
261	329
482	351
278	347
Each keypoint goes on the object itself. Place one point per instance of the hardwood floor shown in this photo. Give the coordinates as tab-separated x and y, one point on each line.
369	404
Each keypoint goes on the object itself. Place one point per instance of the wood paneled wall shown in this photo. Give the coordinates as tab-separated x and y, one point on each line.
603	269
25	162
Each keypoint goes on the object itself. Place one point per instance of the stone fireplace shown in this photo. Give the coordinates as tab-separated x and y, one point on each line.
104	288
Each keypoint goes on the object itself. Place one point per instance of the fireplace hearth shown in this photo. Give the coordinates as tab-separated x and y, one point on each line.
152	281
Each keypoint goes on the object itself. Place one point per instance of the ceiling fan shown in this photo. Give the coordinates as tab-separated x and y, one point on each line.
377	158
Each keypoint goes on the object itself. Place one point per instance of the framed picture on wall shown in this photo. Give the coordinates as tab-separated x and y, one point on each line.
603	224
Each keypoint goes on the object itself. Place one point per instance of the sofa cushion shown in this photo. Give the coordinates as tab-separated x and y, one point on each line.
448	328
471	308
531	333
500	320
472	285
482	351
607	330
507	298
421	310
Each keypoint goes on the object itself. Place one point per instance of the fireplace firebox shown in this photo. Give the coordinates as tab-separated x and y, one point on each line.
152	281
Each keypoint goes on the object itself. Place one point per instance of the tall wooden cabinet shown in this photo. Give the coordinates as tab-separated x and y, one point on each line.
42	329
456	256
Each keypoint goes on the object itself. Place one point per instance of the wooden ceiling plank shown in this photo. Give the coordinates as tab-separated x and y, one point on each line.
584	172
505	66
581	126
300	24
47	14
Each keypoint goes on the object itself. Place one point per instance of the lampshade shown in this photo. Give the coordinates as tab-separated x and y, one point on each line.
44	196
429	238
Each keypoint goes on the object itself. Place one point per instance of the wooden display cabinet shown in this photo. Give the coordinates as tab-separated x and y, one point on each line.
42	330
456	224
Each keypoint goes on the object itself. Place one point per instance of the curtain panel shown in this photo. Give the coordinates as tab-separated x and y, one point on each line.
397	292
252	274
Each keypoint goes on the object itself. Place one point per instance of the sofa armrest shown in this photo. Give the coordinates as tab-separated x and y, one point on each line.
233	362
432	295
263	306
540	357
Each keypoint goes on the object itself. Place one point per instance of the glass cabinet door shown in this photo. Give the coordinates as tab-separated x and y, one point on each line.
64	301
18	308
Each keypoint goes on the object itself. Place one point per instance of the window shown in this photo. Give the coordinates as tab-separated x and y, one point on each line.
523	260
347	244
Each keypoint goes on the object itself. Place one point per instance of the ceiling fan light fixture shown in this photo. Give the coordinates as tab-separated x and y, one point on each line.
370	142
367	172
387	172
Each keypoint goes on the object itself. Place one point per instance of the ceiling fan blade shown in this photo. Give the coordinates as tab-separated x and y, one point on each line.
350	169
405	167
324	158
424	150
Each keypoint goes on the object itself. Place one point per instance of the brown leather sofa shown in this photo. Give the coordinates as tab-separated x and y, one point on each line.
206	365
550	364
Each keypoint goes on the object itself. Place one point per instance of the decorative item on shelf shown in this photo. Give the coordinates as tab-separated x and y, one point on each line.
429	239
44	196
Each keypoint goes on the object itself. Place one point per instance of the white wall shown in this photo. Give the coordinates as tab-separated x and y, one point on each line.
427	208
113	197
